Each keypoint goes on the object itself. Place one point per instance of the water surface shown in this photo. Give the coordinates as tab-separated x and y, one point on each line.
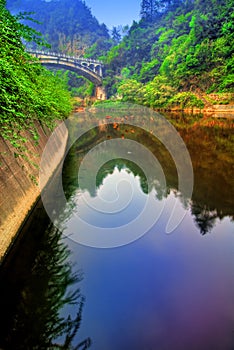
160	291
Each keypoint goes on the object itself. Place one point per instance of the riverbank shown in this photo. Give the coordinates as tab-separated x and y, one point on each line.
19	181
217	111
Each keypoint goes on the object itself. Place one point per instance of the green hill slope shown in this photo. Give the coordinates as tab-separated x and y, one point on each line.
68	26
178	46
28	92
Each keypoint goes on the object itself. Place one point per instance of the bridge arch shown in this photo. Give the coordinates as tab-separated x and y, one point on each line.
90	69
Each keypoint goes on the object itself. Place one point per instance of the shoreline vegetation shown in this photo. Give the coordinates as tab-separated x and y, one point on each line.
29	93
215	109
179	55
187	68
32	101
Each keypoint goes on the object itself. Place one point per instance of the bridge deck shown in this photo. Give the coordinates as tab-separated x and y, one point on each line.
89	68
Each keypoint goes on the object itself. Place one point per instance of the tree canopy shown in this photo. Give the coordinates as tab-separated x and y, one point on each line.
68	26
178	45
28	92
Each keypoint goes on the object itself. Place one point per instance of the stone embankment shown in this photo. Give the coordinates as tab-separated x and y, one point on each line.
220	111
18	181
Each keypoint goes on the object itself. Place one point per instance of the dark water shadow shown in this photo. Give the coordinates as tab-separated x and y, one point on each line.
37	281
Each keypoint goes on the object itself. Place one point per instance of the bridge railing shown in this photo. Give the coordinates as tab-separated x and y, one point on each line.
62	55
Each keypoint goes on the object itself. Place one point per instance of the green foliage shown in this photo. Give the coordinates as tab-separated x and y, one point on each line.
152	9
185	100
189	44
99	49
85	90
77	85
131	90
68	26
28	33
28	92
155	94
116	36
166	35
149	70
158	92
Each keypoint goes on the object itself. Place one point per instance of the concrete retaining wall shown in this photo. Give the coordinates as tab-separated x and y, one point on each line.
18	177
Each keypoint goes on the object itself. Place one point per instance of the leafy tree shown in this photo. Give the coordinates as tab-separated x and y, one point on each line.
151	9
148	9
28	92
99	49
68	26
131	91
116	36
189	43
149	70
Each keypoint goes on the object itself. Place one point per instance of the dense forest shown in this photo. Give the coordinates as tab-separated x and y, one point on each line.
28	92
180	53
68	26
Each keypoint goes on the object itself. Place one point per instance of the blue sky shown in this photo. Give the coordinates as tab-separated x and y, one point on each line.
114	13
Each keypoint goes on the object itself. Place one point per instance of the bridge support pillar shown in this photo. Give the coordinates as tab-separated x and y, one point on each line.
100	93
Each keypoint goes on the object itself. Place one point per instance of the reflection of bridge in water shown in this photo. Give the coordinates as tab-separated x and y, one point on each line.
88	68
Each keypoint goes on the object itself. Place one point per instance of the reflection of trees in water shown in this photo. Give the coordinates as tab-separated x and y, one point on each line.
204	218
121	164
96	136
203	150
147	185
37	322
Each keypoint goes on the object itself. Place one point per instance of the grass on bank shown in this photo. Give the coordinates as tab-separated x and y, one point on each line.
28	92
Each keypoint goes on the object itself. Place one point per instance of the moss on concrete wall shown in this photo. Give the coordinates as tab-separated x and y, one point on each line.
18	181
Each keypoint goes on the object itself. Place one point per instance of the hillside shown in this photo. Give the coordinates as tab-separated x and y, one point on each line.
29	94
178	52
68	26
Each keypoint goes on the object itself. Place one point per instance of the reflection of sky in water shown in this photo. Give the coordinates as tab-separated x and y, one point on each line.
118	201
162	291
119	212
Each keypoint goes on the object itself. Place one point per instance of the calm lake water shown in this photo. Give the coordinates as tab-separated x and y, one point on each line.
159	292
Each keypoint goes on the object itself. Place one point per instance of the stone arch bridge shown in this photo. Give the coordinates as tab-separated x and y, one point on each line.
88	68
